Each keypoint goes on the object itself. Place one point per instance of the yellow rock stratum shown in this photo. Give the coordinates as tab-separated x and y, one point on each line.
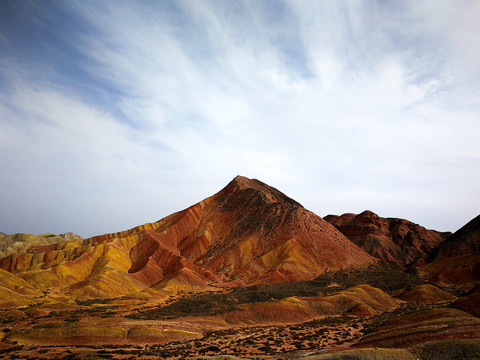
361	300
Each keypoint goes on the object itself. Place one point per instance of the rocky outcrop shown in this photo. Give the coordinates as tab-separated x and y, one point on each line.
396	241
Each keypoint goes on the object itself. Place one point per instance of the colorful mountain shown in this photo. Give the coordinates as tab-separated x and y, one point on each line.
248	233
248	272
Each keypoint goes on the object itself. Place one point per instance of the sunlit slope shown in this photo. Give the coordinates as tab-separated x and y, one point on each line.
14	291
361	300
258	234
427	294
16	243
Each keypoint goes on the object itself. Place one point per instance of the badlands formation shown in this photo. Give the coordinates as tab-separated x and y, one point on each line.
246	273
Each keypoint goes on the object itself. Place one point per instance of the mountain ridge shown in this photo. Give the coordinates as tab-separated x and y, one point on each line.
247	233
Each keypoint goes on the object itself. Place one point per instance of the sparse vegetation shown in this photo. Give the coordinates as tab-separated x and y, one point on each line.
383	277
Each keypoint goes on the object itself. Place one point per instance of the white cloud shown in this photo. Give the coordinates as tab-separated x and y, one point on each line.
339	105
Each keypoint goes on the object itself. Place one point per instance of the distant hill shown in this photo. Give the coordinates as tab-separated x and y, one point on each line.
15	243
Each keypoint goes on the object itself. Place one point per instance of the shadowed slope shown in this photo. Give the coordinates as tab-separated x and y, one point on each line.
457	349
363	354
469	304
397	241
464	241
457	260
423	326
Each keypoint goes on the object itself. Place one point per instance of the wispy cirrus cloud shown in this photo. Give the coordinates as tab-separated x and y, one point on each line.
149	107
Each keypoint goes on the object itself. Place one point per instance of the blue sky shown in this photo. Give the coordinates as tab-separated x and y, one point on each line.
117	113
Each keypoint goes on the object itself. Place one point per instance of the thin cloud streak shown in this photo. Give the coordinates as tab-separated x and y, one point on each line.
342	106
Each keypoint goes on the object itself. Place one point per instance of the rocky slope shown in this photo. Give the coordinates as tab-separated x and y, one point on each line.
456	262
396	241
421	327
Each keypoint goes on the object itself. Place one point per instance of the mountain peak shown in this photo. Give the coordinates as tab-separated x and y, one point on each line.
242	180
253	188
